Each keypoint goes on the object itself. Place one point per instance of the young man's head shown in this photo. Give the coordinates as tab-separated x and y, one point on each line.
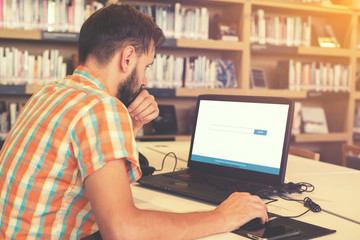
121	28
113	27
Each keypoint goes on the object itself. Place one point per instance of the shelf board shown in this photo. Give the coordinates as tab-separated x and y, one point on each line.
278	92
38	35
318	51
60	36
330	137
28	89
356	95
194	92
12	90
315	51
323	8
328	95
73	37
225	1
187	92
20	34
179	92
204	44
32	88
266	48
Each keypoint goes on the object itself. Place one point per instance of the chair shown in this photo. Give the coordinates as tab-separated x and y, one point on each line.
351	156
304	153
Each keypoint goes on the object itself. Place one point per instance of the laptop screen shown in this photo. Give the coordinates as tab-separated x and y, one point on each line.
242	135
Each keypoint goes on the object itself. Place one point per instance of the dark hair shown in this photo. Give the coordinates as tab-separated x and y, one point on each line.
112	28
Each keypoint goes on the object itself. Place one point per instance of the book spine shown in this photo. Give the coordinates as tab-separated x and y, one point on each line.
1	13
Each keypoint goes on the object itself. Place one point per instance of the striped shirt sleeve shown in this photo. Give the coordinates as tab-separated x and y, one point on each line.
104	133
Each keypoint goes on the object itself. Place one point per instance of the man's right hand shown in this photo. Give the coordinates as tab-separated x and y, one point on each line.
240	208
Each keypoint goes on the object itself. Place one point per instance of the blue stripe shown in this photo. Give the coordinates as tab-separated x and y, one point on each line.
97	142
90	78
67	213
95	125
131	174
92	92
38	167
84	219
229	163
14	130
12	148
118	127
60	172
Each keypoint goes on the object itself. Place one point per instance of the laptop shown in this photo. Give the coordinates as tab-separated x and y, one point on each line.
239	143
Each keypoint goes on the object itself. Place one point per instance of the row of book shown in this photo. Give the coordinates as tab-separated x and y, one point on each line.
178	21
317	76
169	71
356	128
309	119
46	15
280	30
19	67
9	111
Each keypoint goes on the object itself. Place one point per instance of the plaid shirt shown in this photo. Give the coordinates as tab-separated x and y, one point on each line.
67	131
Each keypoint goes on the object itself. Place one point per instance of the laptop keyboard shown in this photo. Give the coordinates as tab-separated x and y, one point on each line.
221	183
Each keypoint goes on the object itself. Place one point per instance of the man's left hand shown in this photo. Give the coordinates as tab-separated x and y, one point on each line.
143	110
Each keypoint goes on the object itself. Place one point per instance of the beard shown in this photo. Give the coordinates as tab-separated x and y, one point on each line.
129	89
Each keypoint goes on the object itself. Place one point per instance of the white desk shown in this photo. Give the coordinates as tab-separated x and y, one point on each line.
337	190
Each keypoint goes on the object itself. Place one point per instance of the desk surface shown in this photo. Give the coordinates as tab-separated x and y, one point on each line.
337	190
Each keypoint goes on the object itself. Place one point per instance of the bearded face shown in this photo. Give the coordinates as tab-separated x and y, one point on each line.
129	89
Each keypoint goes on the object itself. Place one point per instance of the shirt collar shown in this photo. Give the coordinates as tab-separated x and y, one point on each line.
91	77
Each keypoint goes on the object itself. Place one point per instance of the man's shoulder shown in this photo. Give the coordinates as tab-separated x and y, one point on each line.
84	95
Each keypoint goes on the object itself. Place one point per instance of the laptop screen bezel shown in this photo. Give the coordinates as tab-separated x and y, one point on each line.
271	179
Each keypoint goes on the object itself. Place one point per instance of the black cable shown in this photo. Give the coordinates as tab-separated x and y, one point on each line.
305	187
163	161
296	187
307	202
271	201
292	188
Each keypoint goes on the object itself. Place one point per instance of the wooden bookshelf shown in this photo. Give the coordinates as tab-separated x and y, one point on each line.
247	55
314	7
356	95
313	138
210	44
318	51
20	34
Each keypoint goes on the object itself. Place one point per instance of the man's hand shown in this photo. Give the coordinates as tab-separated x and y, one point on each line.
239	208
143	110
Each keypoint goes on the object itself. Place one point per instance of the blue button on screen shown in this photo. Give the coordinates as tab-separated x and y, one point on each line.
260	132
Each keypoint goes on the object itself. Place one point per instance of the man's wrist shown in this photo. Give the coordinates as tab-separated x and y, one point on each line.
220	219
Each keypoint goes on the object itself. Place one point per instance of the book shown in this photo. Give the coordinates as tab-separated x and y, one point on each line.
20	67
316	76
285	75
224	28
314	120
296	126
225	74
280	30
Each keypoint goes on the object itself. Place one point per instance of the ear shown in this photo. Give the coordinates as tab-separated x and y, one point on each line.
127	58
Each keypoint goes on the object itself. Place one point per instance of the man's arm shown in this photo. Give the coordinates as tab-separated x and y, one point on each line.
143	110
111	199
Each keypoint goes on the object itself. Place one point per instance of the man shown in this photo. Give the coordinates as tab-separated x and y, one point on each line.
67	164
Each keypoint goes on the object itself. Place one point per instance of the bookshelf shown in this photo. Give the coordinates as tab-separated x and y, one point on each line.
344	17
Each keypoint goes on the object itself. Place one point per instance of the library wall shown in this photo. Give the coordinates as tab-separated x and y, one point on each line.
284	39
